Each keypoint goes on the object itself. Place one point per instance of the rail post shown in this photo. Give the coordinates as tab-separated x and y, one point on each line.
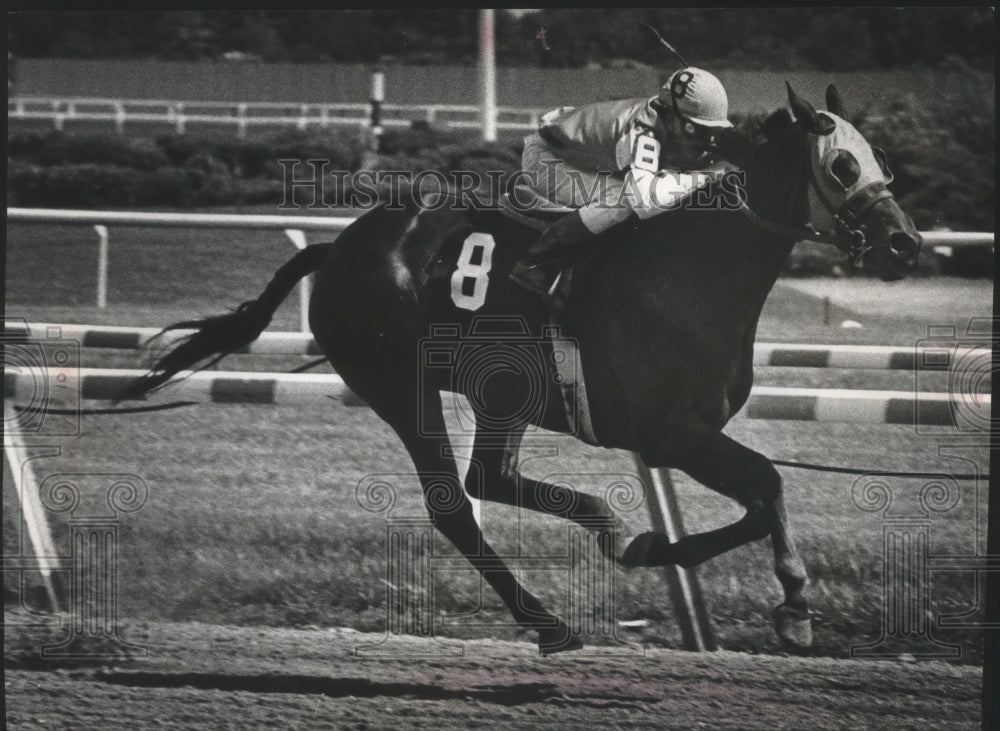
57	115
102	265
119	118
376	100
487	75
697	632
33	516
298	238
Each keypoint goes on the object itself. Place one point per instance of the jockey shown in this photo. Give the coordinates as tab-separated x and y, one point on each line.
610	159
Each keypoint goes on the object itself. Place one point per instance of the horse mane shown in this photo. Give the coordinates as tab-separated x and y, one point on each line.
772	151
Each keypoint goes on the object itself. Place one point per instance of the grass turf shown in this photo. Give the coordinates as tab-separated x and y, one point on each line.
252	515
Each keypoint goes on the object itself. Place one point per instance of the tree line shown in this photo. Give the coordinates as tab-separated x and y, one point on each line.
825	38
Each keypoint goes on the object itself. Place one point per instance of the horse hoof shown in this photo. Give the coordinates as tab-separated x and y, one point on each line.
648	549
793	626
558	639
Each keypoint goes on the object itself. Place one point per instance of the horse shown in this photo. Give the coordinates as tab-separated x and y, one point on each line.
663	312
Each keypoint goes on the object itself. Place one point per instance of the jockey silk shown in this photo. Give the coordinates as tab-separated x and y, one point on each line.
599	136
601	155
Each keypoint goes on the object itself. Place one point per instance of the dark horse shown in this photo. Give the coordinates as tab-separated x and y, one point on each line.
664	313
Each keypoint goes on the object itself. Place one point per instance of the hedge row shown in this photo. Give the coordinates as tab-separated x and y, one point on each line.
100	186
941	150
942	156
59	169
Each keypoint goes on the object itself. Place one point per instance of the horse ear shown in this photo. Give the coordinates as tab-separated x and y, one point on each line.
806	114
834	103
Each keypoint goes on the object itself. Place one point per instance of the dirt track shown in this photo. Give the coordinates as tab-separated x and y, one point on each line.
206	676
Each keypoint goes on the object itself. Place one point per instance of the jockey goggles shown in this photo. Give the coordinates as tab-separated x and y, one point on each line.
700	134
703	136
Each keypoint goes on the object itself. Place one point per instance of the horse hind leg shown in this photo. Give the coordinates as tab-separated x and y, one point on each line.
724	465
451	512
494	476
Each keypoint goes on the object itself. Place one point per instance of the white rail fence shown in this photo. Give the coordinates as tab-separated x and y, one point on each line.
294	227
969	413
243	115
66	387
273	342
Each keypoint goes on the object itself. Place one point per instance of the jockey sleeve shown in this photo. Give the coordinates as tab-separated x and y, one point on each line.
650	190
649	193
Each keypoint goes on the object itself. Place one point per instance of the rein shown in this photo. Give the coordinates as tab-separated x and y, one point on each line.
803	232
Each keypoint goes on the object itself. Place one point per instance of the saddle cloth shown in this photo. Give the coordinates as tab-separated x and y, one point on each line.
527	207
574	390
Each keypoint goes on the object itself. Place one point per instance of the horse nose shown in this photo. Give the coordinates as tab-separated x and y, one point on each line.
905	246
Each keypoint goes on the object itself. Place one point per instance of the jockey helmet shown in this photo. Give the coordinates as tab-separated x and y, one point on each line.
697	97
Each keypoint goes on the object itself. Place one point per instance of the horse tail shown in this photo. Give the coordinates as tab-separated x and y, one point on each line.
218	336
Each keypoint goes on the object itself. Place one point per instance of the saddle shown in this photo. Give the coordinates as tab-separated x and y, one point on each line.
527	207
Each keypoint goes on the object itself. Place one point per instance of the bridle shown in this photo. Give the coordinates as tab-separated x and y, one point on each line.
849	234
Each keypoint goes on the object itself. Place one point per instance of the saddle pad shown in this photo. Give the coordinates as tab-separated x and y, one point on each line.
574	390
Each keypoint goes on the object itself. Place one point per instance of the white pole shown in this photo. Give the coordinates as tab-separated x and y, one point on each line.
375	111
299	239
696	628
487	75
33	516
461	444
102	266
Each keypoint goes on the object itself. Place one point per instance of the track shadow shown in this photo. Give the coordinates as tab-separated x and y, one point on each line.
504	695
507	695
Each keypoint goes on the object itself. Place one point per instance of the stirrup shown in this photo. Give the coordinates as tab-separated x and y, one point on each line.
535	279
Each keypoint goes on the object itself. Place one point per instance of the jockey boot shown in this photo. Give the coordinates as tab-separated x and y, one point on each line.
540	265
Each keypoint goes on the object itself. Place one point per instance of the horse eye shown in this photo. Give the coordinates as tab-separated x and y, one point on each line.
845	169
883	162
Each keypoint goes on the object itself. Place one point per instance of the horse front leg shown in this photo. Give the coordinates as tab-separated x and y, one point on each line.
791	618
729	468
